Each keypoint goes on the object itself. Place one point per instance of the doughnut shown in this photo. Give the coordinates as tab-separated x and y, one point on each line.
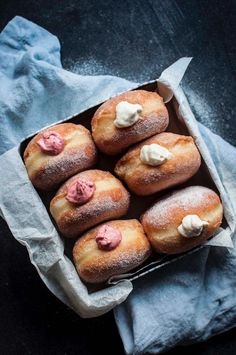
127	119
183	220
110	249
160	162
87	199
57	153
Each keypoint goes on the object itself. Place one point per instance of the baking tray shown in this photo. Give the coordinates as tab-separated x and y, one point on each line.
139	204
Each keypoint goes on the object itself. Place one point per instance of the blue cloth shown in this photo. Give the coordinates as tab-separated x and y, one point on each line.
192	299
35	90
186	303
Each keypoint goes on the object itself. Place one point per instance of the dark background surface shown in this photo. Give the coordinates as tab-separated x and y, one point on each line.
135	40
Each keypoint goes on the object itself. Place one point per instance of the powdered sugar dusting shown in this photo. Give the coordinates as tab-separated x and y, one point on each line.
185	199
215	114
62	167
131	252
201	108
88	67
122	262
99	209
142	129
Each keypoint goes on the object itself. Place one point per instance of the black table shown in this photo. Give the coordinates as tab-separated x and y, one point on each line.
136	40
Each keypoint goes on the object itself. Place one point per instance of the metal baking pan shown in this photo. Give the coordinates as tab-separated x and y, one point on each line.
138	205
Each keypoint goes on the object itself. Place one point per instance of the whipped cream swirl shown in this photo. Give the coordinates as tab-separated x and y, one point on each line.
127	114
154	154
191	226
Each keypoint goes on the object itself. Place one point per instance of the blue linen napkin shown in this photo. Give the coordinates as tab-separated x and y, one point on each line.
180	305
192	300
35	90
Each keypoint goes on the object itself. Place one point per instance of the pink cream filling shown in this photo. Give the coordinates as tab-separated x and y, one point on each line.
108	238
51	143
80	191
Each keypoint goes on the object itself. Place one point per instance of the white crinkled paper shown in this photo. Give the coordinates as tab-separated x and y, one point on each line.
31	225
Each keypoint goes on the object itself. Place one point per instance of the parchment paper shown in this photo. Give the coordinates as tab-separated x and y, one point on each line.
30	224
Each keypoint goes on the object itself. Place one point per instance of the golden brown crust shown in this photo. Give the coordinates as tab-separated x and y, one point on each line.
46	171
111	140
95	265
110	200
144	179
161	221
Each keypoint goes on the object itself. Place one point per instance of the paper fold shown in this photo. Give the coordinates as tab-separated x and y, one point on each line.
171	77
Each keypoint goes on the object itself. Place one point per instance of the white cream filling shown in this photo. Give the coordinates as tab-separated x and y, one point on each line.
127	114
154	154
191	226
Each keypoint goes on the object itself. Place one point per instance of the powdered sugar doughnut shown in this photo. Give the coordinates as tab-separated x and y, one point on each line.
159	169
100	197
183	220
150	113
57	153
96	265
